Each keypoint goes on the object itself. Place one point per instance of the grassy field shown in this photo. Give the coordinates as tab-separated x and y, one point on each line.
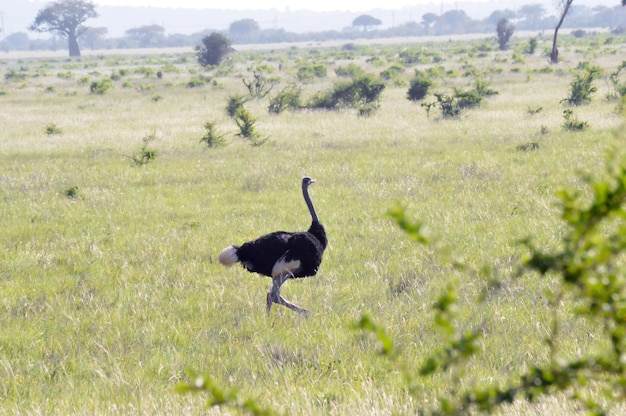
109	284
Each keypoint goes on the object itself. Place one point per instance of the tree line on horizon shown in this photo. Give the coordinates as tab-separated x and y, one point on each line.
65	18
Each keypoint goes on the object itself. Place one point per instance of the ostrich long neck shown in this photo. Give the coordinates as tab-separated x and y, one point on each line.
309	203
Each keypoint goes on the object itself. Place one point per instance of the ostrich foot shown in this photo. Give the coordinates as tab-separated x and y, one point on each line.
274	297
292	306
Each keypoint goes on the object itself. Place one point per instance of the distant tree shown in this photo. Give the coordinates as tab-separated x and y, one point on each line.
213	49
532	15
93	34
244	29
498	15
453	21
428	20
18	40
504	31
603	15
146	35
65	17
564	6
366	21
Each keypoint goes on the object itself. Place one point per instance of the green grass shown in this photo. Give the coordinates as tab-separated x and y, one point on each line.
108	297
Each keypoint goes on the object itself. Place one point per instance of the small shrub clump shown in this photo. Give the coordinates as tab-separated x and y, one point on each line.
582	86
287	99
52	129
571	123
363	91
245	121
234	103
419	86
451	106
145	154
101	87
71	192
211	138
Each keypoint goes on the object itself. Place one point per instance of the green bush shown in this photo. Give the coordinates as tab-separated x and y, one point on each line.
571	123
419	86
13	74
287	99
311	71
392	73
451	106
245	121
71	192
234	103
351	70
145	154
101	87
361	91
52	129
582	86
211	138
616	84
195	82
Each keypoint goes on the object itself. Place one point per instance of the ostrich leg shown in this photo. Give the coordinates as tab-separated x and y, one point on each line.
274	296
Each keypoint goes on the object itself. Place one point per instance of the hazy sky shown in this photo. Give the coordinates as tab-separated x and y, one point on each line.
315	5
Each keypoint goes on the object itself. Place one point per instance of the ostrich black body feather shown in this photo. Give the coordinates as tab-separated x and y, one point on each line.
261	255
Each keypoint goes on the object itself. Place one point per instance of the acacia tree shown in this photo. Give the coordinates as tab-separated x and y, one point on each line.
366	20
146	35
66	18
564	7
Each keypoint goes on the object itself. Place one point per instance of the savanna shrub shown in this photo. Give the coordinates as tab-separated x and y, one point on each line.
233	105
211	138
145	154
71	192
361	91
617	85
419	86
245	121
582	86
571	123
351	70
311	71
259	86
196	82
287	99
101	87
392	72
52	129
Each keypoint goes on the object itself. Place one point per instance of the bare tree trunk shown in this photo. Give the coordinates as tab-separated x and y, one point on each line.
554	55
73	44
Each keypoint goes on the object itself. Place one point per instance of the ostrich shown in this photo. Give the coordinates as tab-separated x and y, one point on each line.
282	255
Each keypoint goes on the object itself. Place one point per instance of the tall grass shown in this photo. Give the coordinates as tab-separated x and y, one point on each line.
109	297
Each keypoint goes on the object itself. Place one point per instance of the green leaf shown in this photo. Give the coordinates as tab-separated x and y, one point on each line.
413	229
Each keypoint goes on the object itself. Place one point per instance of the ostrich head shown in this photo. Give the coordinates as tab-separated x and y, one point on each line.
306	181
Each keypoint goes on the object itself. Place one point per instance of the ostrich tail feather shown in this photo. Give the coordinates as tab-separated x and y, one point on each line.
228	256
